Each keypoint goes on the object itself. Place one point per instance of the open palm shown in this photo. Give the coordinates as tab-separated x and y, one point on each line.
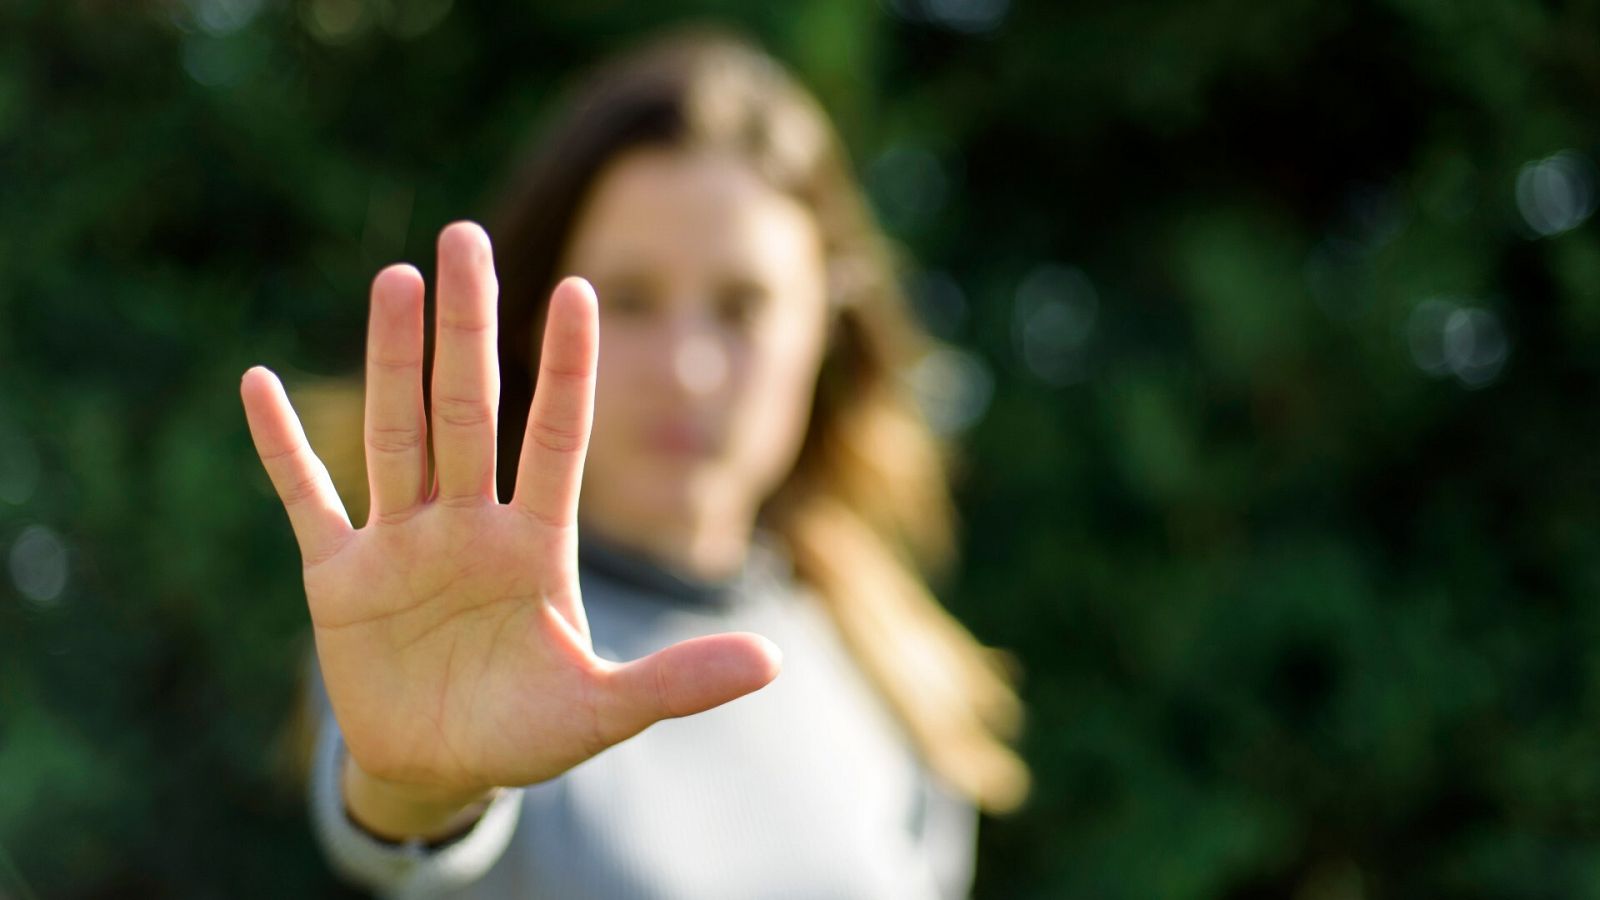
450	628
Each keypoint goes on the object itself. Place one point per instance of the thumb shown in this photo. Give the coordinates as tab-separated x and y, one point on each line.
686	678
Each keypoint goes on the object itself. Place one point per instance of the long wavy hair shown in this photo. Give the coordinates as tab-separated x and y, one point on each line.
867	505
866	512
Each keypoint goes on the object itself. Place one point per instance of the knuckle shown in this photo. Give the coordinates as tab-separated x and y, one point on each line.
468	327
310	562
463	411
663	696
396	516
547	518
468	500
555	438
395	440
555	373
599	736
273	457
301	489
391	364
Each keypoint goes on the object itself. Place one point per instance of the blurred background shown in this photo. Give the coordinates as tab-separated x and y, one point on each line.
1269	336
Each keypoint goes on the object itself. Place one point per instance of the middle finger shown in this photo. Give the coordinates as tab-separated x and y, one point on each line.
466	374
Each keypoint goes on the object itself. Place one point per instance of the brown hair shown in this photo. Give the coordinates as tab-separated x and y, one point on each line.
867	506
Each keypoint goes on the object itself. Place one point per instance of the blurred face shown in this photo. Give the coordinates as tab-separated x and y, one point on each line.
713	318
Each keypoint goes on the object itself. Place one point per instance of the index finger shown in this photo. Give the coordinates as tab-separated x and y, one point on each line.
550	469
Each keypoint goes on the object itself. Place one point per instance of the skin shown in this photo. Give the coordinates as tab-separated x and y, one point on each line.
713	304
452	672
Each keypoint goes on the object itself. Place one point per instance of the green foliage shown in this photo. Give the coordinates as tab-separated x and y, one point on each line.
1300	567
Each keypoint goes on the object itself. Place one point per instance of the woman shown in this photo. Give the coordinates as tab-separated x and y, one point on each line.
758	478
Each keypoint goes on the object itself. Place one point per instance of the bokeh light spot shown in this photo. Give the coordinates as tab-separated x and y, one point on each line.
336	21
1557	193
1449	337
953	387
38	563
1053	317
219	17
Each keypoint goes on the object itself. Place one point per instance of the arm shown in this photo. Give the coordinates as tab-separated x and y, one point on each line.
411	867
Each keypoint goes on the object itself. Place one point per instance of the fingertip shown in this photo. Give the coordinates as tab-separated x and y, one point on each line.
463	234
256	379
751	660
573	318
397	274
397	290
771	656
578	288
259	390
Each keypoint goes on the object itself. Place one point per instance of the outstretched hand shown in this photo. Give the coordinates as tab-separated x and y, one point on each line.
450	627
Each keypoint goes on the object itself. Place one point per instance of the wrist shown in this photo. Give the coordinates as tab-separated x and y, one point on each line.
398	812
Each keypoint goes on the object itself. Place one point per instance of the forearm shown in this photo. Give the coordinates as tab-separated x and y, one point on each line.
438	858
399	812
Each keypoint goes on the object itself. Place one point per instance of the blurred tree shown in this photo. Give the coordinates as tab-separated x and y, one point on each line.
1271	343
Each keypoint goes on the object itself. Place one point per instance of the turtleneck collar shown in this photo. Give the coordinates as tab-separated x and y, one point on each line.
765	562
